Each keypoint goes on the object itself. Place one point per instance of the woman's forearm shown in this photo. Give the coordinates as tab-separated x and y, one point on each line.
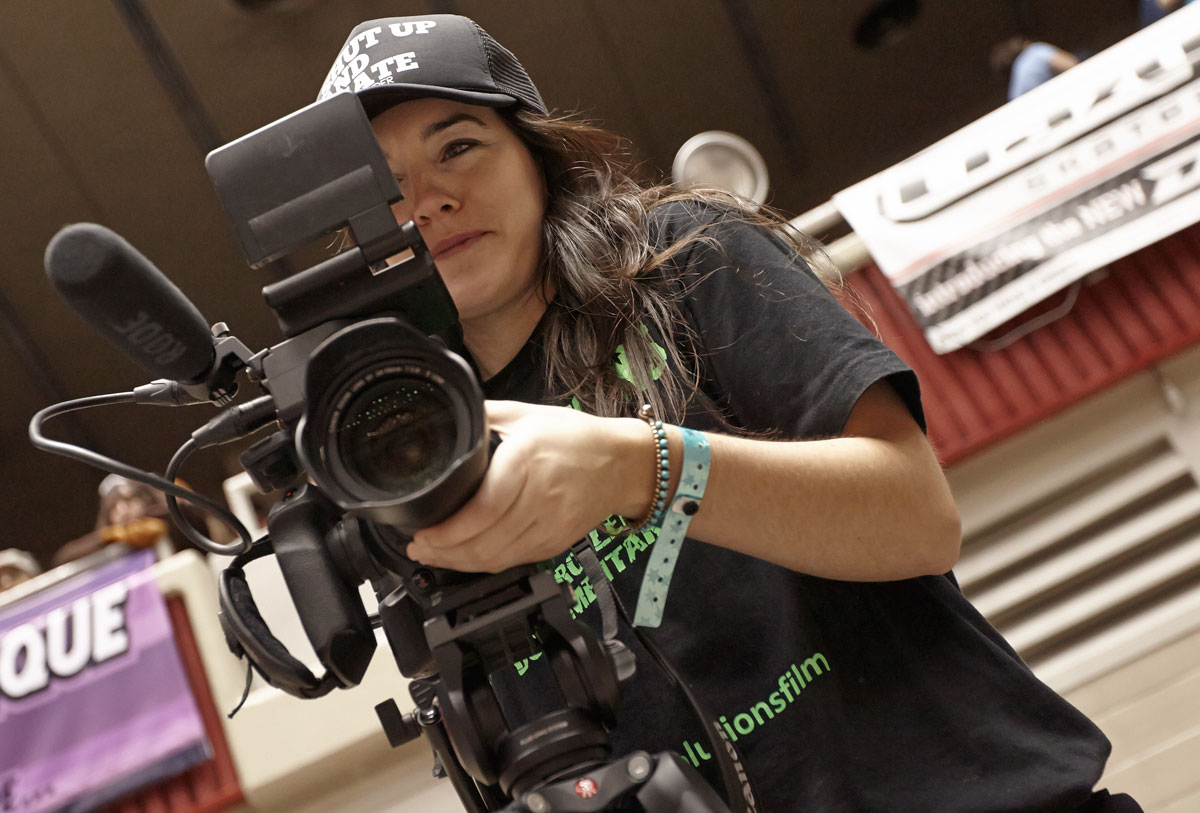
861	508
871	505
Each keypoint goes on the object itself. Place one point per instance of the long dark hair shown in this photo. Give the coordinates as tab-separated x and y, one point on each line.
599	259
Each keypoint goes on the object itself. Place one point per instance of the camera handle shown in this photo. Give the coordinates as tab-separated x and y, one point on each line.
327	602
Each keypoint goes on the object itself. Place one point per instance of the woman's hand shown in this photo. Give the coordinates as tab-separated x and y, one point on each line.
557	474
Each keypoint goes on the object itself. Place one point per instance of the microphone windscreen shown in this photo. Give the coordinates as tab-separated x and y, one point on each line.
130	302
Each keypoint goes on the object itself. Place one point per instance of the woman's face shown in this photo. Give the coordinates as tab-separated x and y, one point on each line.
477	197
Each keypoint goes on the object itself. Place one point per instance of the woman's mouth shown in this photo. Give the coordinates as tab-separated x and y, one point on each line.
456	243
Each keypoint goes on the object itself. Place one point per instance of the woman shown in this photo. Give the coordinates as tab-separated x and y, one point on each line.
811	607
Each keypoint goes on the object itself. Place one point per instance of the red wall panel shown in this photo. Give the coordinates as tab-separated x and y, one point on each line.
212	785
1143	308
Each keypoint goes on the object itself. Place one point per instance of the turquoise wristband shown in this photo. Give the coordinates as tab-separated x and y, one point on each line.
693	478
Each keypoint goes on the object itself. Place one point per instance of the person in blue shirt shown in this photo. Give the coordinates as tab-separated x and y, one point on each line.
1029	64
1151	11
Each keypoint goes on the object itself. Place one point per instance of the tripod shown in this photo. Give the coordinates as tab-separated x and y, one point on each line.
559	761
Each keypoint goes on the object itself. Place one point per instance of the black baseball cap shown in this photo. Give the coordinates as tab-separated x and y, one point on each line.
391	60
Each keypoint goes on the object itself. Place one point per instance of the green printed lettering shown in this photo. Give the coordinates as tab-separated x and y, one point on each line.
560	574
615	558
522	666
613	527
695	753
598	544
787	683
614	524
573	565
656	368
633	546
688	752
584	596
760	708
791	683
812	661
622	365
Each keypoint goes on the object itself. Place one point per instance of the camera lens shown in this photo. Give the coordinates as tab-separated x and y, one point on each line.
394	429
398	434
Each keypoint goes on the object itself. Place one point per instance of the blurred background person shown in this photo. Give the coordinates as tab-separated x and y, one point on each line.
1151	11
16	567
1028	64
135	515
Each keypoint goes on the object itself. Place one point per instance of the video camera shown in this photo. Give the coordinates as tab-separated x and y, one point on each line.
380	430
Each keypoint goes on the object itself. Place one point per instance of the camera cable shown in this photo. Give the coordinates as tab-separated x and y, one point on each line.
183	523
230	424
105	463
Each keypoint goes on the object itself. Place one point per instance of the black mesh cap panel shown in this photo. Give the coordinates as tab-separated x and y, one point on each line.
508	72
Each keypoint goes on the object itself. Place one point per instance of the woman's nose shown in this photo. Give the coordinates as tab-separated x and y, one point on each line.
429	198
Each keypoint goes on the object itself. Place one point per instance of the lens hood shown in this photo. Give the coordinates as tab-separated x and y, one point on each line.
394	429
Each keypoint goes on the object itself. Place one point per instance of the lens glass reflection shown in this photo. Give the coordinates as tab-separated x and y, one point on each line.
397	435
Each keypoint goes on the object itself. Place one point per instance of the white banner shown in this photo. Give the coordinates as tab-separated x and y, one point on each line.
1102	160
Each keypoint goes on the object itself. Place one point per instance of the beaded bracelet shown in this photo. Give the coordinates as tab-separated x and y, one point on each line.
662	472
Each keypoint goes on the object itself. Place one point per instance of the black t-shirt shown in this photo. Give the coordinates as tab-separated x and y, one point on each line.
838	695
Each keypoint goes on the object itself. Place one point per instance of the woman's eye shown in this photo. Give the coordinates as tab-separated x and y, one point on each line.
456	148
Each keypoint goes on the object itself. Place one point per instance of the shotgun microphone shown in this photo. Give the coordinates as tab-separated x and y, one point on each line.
130	302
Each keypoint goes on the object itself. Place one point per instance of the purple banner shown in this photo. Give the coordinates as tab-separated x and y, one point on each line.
93	699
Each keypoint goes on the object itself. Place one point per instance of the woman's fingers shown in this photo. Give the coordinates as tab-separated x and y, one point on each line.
505	477
497	493
496	549
549	482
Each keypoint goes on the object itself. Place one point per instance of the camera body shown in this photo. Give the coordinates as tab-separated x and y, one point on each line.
383	432
385	424
388	423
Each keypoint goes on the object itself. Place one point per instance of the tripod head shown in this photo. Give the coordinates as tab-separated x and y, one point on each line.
451	633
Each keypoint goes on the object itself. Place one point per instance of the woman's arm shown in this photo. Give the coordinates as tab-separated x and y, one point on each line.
782	353
871	505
